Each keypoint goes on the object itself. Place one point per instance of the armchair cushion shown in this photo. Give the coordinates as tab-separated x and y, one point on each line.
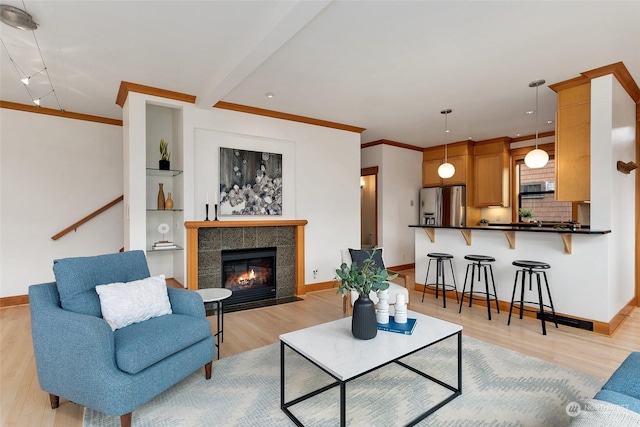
76	278
123	304
141	345
360	255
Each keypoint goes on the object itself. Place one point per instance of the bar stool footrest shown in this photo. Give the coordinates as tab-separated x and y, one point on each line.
492	297
531	308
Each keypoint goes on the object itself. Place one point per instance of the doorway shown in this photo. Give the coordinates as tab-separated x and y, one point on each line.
369	207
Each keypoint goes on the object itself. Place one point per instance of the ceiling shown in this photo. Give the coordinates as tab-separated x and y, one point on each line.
389	67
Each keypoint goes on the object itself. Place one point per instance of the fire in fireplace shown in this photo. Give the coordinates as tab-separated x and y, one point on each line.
250	274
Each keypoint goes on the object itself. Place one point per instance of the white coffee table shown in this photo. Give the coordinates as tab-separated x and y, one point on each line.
216	296
332	348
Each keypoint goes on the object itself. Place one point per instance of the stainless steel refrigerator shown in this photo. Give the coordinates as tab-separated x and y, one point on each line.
443	206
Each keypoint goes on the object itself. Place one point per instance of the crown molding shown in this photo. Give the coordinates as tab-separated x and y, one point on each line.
619	71
126	87
532	136
285	116
59	113
392	143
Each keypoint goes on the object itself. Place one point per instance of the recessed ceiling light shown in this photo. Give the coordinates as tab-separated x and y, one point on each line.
530	112
549	122
270	95
518	134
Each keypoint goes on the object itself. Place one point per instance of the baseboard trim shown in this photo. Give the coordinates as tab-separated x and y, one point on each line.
613	325
15	300
24	299
321	286
402	267
603	328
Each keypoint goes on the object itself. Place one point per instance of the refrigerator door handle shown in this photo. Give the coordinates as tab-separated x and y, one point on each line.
439	207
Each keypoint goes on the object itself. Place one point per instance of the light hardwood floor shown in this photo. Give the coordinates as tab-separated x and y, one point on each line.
23	403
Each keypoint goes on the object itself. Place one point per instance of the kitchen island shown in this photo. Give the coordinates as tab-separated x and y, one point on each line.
509	231
579	278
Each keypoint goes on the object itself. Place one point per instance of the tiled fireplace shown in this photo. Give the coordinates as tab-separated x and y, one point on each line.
250	274
208	242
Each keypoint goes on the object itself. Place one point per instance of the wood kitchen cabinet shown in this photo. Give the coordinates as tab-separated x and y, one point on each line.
491	175
457	154
573	144
430	177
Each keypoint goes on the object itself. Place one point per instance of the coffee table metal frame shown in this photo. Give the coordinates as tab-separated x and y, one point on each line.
457	391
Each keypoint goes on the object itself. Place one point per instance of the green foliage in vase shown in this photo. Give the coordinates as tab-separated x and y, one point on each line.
164	153
363	279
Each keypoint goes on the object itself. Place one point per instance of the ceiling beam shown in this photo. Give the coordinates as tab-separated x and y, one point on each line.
218	86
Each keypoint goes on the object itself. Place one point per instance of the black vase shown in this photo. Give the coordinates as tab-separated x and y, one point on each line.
363	321
164	165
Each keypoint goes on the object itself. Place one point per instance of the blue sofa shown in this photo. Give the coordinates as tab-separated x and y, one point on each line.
618	401
80	358
623	387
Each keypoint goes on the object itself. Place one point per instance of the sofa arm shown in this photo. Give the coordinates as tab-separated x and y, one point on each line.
625	379
70	348
186	302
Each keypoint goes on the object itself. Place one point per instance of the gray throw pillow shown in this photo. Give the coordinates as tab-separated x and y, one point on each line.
360	255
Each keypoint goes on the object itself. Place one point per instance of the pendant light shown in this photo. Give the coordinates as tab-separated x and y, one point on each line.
536	158
446	170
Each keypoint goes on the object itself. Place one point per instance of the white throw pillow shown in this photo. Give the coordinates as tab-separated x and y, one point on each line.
123	304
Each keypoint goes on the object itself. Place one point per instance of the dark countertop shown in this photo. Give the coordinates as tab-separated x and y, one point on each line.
524	228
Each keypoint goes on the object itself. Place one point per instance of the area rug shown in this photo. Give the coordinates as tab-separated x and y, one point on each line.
500	387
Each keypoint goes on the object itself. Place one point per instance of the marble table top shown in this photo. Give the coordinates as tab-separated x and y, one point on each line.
214	294
332	346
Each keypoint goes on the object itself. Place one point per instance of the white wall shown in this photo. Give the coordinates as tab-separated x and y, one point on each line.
399	183
612	193
576	290
324	188
53	172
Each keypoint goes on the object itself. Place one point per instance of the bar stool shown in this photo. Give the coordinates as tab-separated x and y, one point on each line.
440	258
529	268
480	262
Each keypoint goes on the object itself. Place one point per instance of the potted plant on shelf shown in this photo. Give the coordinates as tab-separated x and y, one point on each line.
165	155
526	214
363	279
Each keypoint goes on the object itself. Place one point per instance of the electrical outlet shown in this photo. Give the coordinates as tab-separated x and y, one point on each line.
315	274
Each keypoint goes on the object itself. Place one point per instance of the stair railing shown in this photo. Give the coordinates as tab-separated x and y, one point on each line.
87	218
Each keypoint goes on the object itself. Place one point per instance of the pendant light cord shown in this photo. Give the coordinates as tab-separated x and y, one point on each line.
537	87
446	112
446	126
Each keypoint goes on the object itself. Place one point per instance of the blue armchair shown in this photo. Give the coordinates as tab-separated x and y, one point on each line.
80	358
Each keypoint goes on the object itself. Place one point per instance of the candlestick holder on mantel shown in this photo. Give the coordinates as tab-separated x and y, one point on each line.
215	210
206	208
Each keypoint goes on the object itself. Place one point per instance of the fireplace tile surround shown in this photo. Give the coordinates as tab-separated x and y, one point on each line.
212	241
207	239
